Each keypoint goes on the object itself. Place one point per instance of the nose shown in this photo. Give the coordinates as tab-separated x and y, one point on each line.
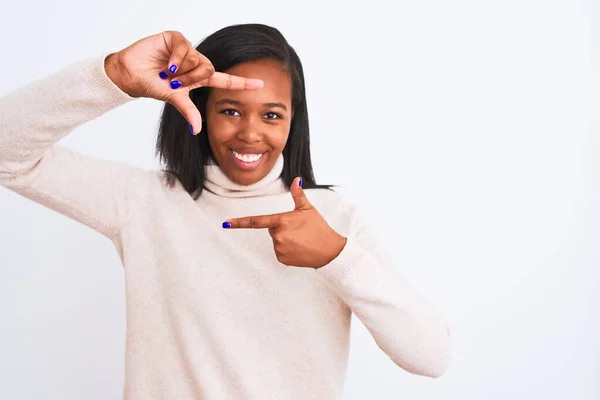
249	129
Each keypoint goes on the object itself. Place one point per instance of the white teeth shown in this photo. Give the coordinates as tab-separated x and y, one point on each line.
247	157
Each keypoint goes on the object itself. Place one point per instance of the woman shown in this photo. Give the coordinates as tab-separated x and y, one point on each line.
261	309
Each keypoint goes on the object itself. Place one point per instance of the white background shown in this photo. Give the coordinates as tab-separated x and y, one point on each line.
463	126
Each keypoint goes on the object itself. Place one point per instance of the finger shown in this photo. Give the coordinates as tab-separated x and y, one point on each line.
300	200
191	60
255	222
179	46
225	81
194	78
182	102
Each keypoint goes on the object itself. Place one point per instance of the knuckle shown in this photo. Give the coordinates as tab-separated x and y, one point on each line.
192	58
184	79
280	257
210	69
286	223
252	222
205	71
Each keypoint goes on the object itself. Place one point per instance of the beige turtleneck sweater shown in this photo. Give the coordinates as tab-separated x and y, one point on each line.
211	313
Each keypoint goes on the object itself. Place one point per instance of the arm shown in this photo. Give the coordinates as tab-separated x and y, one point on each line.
402	322
34	118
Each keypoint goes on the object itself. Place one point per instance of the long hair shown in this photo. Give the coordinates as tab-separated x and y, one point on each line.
184	155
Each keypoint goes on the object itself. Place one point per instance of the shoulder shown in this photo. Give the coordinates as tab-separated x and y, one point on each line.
337	207
159	182
349	217
328	200
153	187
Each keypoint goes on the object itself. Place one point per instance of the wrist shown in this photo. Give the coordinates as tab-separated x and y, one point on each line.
116	72
338	242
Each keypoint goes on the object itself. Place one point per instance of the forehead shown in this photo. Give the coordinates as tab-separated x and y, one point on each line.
277	87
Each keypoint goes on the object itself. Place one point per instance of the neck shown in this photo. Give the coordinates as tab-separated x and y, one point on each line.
218	183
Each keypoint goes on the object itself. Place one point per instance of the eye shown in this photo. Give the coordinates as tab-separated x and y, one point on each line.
272	115
231	112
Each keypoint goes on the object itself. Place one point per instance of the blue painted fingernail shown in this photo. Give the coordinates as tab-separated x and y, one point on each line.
300	182
176	84
173	68
226	224
191	128
163	75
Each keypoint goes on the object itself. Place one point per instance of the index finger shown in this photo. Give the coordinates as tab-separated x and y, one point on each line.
255	222
222	80
179	46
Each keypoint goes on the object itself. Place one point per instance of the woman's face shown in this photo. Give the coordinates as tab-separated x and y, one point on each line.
248	129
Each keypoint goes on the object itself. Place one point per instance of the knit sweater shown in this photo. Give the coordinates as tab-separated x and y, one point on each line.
211	313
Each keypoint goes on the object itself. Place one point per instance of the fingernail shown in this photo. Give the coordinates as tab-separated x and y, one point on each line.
173	68
191	128
226	224
175	84
163	75
300	182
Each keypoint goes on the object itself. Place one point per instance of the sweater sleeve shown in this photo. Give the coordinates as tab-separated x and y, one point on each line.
35	117
403	323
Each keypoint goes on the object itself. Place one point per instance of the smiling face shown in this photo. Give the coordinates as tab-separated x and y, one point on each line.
248	129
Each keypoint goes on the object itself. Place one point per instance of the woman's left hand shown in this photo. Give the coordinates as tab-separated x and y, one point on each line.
301	237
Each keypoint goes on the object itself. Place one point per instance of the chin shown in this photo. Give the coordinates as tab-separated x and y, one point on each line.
247	178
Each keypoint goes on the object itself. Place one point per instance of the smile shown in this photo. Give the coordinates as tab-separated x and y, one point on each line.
247	160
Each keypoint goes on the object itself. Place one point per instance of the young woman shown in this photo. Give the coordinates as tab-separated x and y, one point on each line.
241	272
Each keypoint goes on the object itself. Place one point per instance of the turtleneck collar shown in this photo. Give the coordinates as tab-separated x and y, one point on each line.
218	183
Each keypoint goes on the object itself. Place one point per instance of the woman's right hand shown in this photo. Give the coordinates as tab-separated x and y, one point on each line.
165	67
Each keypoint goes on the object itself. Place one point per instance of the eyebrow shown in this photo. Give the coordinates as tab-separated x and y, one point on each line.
239	103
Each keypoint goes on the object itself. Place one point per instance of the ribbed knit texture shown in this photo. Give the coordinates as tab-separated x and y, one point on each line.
211	313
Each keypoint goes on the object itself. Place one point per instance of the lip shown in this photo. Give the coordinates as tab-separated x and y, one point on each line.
248	150
245	165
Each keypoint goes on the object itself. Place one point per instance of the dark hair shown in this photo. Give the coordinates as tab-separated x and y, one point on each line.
185	155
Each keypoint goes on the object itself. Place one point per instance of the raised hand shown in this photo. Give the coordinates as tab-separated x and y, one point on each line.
165	67
301	237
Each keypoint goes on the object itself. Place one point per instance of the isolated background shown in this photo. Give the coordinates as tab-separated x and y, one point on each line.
464	128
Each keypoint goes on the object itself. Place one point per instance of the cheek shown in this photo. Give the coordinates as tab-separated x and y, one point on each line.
220	130
279	135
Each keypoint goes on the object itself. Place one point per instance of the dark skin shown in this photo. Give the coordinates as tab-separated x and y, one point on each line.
301	237
258	122
250	122
243	114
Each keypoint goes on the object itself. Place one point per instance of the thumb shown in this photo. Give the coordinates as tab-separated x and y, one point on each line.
182	102
300	199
